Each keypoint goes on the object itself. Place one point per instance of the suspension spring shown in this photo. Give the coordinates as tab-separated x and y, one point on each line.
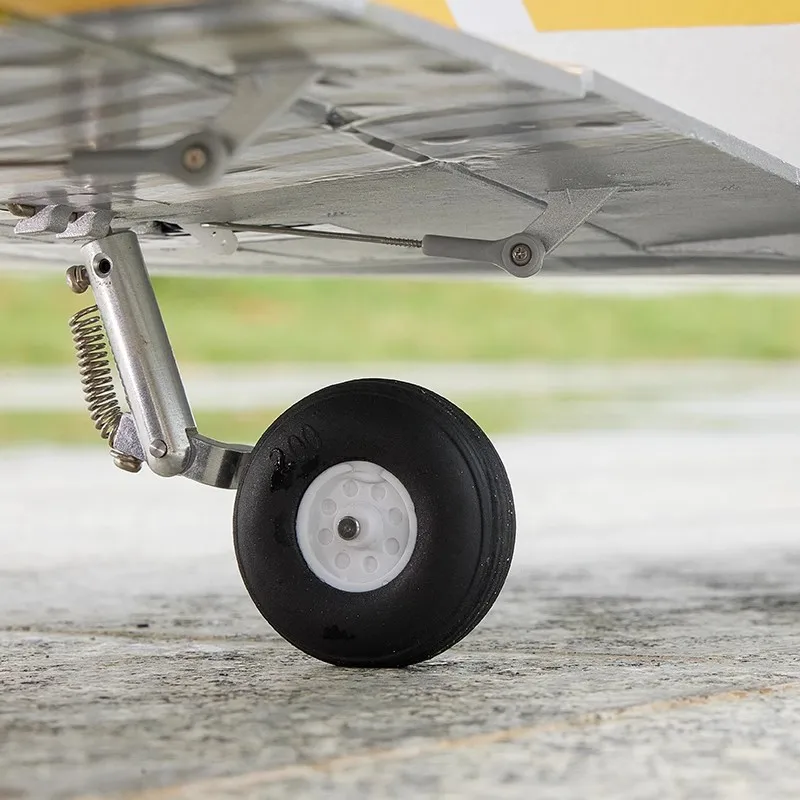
94	366
89	337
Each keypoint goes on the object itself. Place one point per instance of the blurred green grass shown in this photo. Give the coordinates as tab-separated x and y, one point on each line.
495	413
251	320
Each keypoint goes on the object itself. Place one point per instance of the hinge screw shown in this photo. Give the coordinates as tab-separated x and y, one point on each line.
521	254
194	158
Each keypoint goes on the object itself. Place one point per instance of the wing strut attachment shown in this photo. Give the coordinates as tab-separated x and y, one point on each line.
521	254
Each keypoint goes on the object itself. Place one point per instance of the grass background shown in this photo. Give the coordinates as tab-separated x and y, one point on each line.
349	320
275	320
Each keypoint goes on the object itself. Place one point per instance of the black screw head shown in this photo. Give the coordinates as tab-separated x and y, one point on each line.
521	254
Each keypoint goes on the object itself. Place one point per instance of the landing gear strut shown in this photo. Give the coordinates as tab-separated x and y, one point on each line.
374	521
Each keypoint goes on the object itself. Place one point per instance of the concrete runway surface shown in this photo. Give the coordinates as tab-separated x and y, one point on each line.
647	644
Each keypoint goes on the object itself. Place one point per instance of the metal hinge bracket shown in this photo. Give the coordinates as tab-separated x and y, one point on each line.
202	158
522	254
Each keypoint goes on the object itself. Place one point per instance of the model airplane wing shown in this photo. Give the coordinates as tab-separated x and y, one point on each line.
278	118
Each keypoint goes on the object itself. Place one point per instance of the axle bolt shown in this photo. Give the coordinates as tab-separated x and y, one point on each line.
348	528
158	448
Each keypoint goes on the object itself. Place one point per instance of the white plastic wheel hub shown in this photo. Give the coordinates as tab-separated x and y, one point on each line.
356	526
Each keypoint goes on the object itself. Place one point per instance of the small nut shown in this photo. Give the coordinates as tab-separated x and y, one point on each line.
78	278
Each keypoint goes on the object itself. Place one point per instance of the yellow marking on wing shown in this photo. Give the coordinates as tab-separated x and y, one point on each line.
45	8
573	15
432	10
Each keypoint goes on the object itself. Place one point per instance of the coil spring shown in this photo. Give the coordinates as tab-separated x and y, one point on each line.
89	337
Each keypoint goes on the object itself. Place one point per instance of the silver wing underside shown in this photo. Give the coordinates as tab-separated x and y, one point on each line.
409	130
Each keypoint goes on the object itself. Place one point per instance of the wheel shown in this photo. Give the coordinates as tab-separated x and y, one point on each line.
374	524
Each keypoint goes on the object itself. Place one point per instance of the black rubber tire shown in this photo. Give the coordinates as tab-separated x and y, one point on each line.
465	524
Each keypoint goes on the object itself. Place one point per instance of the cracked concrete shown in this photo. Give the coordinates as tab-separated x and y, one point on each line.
647	644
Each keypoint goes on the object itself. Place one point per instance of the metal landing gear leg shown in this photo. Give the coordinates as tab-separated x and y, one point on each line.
160	428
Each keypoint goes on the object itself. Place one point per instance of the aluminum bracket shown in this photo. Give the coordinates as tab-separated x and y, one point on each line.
48	219
216	463
66	223
89	225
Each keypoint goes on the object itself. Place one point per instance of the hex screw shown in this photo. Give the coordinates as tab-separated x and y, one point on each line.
78	278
